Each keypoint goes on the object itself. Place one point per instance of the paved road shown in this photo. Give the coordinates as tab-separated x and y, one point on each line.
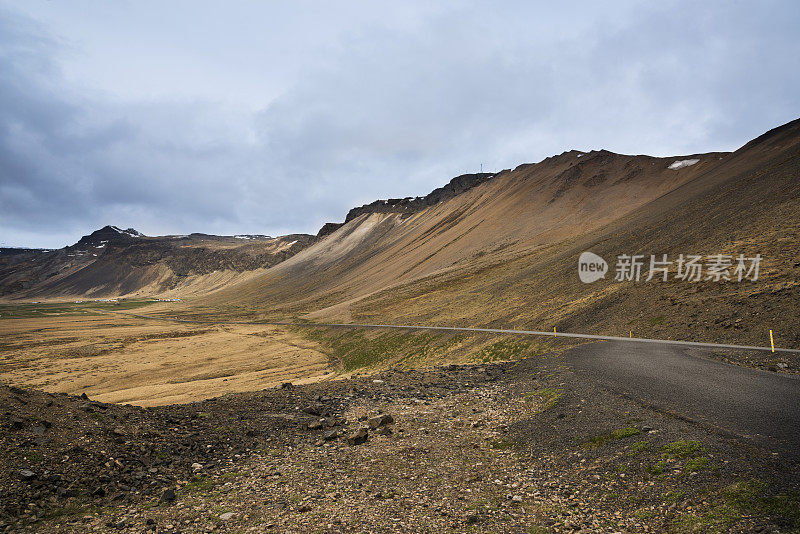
676	343
746	402
668	375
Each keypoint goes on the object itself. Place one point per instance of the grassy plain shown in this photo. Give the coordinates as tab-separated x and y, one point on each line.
114	358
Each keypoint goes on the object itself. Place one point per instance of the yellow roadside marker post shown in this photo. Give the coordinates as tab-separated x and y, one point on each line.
554	332
630	334
771	341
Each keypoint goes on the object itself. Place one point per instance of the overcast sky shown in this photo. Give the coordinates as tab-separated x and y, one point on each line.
274	117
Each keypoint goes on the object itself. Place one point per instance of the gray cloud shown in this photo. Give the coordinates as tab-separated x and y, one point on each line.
372	106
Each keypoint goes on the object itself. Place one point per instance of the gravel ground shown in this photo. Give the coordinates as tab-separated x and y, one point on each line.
525	446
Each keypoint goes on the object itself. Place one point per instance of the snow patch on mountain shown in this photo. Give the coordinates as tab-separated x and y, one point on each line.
683	163
130	232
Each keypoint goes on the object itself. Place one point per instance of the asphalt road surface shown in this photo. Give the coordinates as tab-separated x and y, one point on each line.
746	402
671	376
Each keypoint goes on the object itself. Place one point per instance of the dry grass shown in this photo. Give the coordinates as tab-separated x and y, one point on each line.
130	360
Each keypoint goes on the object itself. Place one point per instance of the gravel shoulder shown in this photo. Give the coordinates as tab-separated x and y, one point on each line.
526	446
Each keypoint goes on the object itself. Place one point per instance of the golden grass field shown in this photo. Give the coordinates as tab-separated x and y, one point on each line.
114	358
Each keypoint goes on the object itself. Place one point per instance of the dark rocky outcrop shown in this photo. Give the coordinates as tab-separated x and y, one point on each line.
107	234
410	205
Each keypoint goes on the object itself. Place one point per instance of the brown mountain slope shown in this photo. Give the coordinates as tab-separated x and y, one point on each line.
506	250
749	203
516	212
115	262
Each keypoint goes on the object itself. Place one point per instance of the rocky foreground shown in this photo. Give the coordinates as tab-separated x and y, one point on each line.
525	446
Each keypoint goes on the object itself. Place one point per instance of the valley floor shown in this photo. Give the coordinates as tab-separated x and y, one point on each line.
122	359
525	446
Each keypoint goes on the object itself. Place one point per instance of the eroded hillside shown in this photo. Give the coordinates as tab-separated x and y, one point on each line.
505	251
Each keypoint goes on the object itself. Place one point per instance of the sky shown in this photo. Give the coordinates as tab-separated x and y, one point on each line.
272	118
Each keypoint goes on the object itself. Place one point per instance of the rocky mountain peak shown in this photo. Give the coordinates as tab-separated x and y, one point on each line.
109	234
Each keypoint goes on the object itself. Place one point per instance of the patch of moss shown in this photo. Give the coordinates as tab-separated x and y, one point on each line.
638	447
508	349
502	444
357	350
745	498
754	496
620	433
551	396
644	513
674	496
696	464
657	468
199	484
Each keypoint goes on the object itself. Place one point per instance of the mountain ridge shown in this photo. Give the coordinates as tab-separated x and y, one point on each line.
473	220
505	251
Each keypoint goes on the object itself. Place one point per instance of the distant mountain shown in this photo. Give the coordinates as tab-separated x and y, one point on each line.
112	261
108	234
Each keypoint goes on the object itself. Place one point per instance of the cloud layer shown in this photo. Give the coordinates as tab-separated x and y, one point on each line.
215	124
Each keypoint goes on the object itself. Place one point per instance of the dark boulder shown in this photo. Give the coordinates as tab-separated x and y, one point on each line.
358	437
381	420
